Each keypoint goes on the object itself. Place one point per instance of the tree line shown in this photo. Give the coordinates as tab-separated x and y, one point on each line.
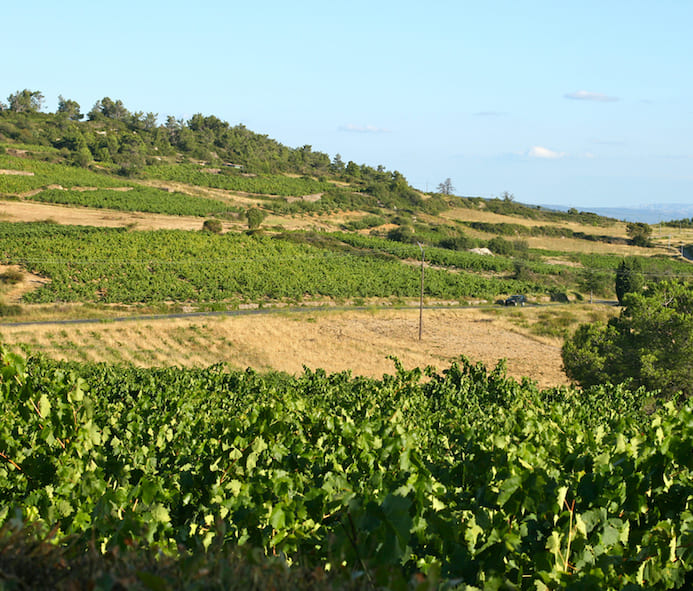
112	135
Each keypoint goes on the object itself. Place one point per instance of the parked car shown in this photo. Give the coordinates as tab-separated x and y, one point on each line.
516	300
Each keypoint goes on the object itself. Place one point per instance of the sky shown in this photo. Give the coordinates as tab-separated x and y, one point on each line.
560	102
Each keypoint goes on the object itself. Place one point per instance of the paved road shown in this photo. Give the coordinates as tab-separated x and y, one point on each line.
257	311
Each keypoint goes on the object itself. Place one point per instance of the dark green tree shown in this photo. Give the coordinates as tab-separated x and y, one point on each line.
82	157
402	234
629	277
254	217
352	169
639	234
594	282
109	109
69	109
500	246
650	343
25	101
337	165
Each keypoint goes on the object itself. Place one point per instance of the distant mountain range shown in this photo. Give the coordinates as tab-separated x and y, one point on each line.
650	214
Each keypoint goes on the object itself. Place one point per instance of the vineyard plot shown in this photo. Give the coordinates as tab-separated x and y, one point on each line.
491	481
116	266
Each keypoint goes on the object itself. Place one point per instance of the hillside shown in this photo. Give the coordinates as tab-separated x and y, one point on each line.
216	374
102	217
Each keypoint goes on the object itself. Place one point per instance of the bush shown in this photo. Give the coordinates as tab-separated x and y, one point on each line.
254	217
500	246
558	296
213	226
459	242
402	234
11	276
10	309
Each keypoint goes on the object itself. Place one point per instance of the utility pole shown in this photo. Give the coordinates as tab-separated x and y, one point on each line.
422	291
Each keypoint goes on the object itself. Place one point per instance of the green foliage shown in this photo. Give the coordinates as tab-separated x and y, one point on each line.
682	223
25	101
459	476
595	281
268	184
629	278
500	246
402	234
115	266
650	343
254	217
368	221
458	242
639	233
534	212
522	271
136	198
213	226
41	174
69	109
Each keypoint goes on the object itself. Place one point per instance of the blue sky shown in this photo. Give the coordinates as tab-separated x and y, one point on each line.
581	104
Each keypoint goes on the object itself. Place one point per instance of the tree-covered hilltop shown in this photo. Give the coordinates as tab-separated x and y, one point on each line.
111	138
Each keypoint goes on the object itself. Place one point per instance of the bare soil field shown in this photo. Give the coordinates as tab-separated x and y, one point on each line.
355	341
26	211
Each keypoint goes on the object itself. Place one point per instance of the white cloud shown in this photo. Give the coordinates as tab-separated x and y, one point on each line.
585	95
545	153
363	128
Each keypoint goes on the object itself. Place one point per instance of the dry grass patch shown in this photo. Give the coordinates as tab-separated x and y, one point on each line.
463	214
358	341
590	247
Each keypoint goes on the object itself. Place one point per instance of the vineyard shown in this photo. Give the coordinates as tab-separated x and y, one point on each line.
465	476
137	198
115	266
42	174
269	184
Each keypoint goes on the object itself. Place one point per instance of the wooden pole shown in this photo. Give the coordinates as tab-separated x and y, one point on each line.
422	292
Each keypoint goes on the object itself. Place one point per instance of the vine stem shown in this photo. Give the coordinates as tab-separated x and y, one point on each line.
351	535
2	455
566	560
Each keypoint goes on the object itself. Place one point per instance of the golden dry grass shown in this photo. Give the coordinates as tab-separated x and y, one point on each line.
358	341
482	215
29	211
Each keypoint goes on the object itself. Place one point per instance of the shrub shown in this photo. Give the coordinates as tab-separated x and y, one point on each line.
500	246
254	217
11	276
213	226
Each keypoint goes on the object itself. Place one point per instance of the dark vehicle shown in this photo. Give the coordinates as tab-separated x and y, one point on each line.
516	300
